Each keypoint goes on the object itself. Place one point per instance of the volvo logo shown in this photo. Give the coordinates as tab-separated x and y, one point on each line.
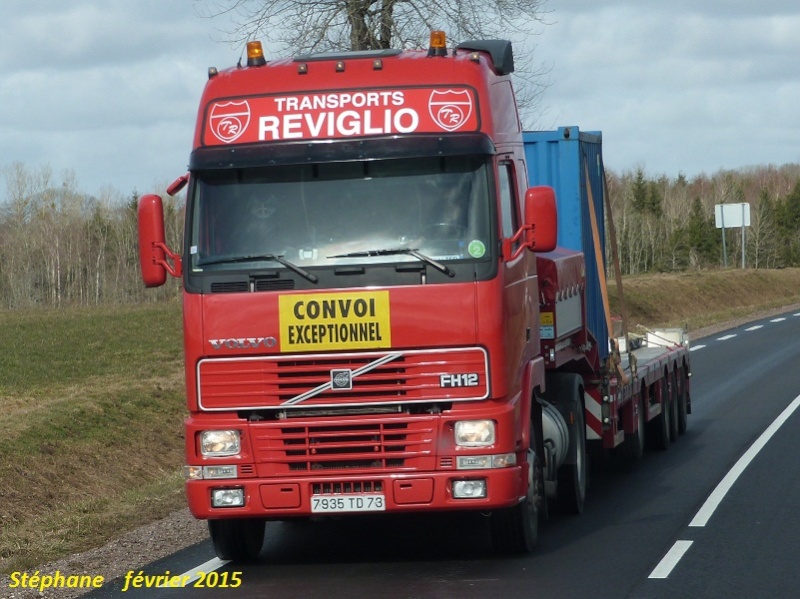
341	380
244	343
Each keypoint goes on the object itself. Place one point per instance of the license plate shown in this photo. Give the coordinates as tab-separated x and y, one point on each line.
327	504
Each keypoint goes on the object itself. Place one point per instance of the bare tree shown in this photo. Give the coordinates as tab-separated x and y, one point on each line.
299	26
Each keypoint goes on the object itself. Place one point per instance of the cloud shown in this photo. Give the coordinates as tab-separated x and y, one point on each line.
684	86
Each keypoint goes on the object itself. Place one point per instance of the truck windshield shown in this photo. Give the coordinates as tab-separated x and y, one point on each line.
345	213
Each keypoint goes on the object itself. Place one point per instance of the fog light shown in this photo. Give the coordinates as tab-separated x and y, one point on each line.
469	489
227	497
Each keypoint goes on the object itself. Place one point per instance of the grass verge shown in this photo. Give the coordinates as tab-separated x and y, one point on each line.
700	299
91	412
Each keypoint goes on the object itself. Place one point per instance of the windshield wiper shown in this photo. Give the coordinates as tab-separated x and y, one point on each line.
256	257
400	251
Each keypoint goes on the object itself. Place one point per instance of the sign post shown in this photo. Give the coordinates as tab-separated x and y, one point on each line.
731	216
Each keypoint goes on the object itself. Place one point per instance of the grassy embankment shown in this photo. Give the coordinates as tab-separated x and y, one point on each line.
91	410
91	406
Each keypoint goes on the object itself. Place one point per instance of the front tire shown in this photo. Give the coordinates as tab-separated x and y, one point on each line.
516	529
573	478
237	539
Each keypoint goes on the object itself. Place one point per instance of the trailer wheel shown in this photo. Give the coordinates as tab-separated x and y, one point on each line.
515	529
661	424
238	539
673	407
634	444
683	402
573	477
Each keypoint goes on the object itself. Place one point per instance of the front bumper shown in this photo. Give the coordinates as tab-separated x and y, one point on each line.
411	492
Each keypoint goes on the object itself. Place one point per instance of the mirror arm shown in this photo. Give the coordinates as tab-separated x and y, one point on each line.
176	268
523	246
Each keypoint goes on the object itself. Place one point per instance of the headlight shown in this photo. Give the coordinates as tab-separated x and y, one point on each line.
219	443
475	433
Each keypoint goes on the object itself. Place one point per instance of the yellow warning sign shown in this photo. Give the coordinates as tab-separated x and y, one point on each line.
546	318
311	322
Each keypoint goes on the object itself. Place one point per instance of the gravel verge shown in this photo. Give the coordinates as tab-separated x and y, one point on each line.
132	551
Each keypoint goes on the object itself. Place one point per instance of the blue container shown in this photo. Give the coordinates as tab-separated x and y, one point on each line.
560	159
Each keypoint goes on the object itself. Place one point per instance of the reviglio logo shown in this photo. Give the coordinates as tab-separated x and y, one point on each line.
333	115
228	120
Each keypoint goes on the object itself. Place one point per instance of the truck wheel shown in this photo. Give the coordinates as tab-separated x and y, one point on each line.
683	402
633	446
661	424
515	529
673	407
573	478
237	539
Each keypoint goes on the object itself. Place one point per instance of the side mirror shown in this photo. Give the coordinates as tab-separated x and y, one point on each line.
153	250
541	219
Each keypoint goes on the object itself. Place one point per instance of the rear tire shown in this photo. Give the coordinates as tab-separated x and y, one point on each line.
661	424
634	444
238	539
673	407
516	529
683	402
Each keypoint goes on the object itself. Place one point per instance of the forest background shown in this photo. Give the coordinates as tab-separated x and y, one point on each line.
62	247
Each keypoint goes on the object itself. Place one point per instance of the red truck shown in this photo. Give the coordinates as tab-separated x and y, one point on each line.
377	317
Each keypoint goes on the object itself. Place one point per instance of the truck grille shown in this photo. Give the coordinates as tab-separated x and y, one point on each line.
399	443
373	378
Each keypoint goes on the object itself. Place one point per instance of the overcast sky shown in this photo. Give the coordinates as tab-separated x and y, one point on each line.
109	88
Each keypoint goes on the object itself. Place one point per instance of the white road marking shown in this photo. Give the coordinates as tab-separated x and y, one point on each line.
778	319
726	337
718	494
671	559
190	576
755	328
696	347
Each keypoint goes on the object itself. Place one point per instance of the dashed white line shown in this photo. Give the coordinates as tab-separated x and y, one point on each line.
718	494
671	559
778	319
755	328
726	337
696	347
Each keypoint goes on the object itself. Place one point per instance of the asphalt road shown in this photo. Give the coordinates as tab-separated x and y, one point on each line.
713	516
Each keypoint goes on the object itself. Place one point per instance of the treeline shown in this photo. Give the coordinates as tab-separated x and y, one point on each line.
59	246
668	224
